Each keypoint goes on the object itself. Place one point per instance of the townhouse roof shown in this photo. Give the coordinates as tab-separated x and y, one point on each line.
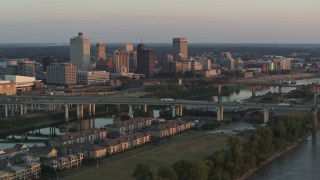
41	149
129	122
83	147
76	135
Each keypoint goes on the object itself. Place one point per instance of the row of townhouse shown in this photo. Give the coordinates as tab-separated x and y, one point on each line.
25	171
89	136
168	129
130	126
107	147
16	149
68	162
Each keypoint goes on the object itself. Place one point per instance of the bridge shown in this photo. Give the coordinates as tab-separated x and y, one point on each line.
25	103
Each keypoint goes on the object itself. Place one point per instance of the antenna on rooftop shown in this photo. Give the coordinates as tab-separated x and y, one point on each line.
141	39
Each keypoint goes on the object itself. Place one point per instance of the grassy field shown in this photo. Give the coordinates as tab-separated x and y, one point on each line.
184	146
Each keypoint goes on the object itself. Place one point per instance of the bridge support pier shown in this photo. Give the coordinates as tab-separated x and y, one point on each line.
279	89
221	112
219	93
130	111
93	109
66	112
145	108
25	109
79	111
218	114
21	109
179	110
12	108
118	110
173	111
253	89
6	110
265	115
90	110
315	120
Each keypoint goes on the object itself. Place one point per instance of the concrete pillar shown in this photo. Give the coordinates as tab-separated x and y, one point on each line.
21	109
90	109
219	93
253	89
25	109
173	111
181	110
93	109
145	108
12	109
178	110
66	112
78	111
265	115
81	111
315	120
130	111
221	112
279	90
218	114
32	109
118	109
6	110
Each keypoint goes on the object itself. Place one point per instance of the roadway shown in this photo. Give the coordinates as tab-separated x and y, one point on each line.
55	100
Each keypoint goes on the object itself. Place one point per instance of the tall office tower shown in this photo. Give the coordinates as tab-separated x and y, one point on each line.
129	48
145	60
80	52
180	49
226	60
165	61
46	61
120	61
62	73
100	51
26	68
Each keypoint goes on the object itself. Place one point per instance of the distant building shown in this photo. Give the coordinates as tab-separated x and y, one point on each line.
80	52
131	125
226	60
129	48
47	61
196	65
100	51
92	77
103	65
7	88
23	83
26	68
120	61
11	70
145	61
62	73
180	49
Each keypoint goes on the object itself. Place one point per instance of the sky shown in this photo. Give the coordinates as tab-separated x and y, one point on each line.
158	21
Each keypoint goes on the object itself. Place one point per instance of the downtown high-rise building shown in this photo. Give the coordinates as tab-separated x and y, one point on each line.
100	51
145	61
120	61
180	49
26	68
80	52
62	74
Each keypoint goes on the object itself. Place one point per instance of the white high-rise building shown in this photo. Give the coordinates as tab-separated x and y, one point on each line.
80	52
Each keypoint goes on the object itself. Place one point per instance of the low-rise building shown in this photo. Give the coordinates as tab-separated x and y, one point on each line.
169	129
67	162
43	151
29	170
88	150
87	137
129	126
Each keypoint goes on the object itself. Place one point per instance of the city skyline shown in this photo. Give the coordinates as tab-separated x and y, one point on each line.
204	21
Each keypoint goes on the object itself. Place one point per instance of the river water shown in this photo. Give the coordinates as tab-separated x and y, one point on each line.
301	163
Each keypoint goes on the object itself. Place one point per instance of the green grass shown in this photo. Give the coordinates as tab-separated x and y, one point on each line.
191	146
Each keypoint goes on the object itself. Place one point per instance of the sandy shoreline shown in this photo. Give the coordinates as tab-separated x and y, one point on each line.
273	157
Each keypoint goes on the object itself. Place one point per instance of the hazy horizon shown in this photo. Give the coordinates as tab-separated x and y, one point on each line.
122	21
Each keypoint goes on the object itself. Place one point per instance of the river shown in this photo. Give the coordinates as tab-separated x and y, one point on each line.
300	163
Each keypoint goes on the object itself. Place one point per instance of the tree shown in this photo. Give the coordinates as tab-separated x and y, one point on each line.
167	173
201	169
142	172
124	117
184	170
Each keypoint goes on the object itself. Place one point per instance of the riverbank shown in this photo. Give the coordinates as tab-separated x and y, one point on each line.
273	157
